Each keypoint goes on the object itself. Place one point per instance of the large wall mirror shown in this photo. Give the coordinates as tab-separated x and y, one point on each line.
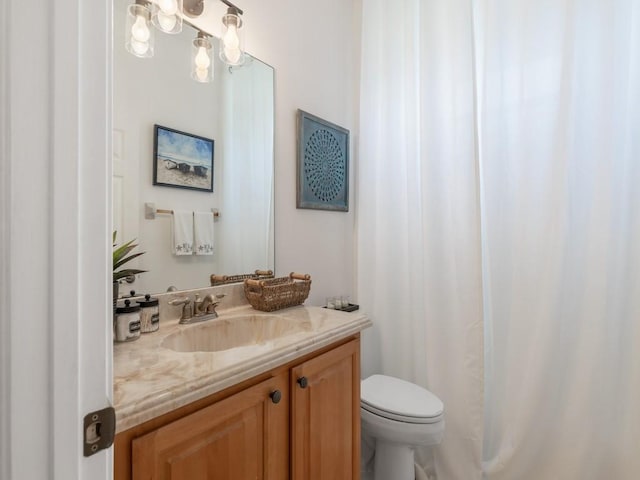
236	110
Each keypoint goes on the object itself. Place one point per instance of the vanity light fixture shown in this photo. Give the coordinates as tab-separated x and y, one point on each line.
231	43
139	35
165	15
201	64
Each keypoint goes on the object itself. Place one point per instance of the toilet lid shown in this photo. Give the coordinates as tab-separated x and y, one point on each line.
398	399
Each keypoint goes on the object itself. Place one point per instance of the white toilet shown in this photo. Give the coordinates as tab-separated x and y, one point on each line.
400	416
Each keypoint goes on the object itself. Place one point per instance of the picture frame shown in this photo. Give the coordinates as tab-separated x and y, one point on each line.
182	160
322	164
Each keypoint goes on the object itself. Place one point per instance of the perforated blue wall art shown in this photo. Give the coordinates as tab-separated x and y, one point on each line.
323	164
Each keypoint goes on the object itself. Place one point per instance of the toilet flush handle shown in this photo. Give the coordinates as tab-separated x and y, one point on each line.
303	382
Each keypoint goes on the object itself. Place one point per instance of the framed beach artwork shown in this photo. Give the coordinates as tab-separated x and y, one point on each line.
323	164
182	160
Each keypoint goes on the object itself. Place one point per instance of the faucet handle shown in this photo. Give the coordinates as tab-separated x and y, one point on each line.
180	301
211	308
186	307
216	298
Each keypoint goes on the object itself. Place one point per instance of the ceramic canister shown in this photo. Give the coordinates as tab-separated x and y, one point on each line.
149	314
127	322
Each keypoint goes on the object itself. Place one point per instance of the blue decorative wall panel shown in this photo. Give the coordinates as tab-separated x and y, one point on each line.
323	164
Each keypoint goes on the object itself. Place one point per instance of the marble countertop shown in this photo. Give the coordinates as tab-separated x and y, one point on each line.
151	379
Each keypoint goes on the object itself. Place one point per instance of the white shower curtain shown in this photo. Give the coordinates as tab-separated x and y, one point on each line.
419	249
499	156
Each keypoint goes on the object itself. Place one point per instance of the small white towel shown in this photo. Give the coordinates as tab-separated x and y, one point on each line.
182	232
203	233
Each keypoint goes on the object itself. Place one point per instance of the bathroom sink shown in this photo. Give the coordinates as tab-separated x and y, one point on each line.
233	332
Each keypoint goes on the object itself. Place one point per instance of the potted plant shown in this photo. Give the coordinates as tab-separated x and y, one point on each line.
120	257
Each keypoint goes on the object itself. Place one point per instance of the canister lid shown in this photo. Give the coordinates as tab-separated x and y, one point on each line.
148	301
128	308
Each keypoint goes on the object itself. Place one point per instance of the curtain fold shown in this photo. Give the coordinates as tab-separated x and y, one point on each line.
499	161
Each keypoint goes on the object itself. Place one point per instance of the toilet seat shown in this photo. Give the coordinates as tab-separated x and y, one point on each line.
399	400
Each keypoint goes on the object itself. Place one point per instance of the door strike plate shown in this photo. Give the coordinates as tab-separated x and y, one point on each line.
99	430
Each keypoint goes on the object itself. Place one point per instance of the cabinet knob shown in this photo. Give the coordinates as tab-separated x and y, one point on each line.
303	382
276	396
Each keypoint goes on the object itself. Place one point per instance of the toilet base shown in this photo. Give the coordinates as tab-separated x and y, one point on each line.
393	461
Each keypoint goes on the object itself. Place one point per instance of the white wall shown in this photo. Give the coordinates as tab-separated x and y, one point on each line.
314	48
5	215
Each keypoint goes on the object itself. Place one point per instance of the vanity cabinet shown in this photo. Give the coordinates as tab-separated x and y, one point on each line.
244	436
299	421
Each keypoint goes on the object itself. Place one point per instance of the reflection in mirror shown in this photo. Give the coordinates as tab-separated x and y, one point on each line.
236	110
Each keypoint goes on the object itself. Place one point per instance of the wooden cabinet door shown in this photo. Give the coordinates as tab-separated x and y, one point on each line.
245	436
325	402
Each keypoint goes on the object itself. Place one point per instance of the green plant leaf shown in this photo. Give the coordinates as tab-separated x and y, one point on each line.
122	261
121	256
125	273
120	252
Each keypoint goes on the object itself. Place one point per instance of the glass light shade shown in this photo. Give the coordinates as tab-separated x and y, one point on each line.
232	39
138	32
165	15
202	59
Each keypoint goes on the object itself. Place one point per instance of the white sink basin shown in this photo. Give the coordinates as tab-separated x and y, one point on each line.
233	332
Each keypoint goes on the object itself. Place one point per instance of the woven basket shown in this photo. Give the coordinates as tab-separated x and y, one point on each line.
225	279
270	295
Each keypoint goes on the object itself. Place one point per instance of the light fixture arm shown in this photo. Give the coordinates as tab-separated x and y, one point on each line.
202	34
194	8
231	5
